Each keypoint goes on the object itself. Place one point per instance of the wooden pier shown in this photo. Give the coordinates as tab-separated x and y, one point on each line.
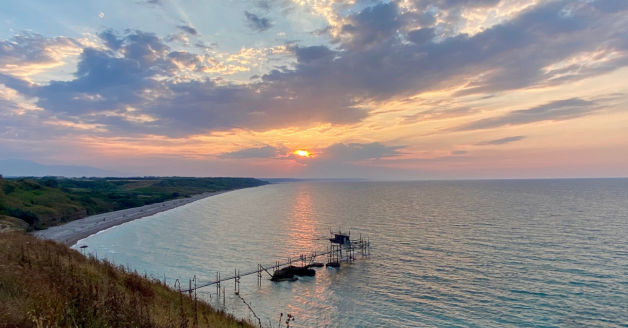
334	254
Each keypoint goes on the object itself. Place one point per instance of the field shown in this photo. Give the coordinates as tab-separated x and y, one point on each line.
45	202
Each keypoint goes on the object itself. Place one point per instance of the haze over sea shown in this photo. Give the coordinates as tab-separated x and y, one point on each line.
510	253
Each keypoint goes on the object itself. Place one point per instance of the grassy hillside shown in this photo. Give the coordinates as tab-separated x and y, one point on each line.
46	202
8	223
46	284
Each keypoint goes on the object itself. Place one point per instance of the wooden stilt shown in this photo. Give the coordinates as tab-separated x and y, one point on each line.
334	253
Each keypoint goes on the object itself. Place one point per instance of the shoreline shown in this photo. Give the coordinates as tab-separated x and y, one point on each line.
74	231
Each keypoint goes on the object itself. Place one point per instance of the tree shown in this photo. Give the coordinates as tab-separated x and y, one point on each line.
52	183
30	217
9	188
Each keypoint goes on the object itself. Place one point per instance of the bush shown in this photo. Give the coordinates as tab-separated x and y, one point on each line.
52	183
29	217
8	188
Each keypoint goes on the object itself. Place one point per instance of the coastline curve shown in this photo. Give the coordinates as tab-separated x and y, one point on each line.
73	232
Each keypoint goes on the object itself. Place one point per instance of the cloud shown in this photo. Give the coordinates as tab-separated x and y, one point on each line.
188	29
179	37
29	53
371	26
151	2
201	45
373	63
458	152
265	5
309	54
338	152
383	54
445	4
421	36
438	112
359	151
500	141
136	77
257	23
559	110
261	152
111	40
611	5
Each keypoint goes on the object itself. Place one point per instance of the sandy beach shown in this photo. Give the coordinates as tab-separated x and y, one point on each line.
71	232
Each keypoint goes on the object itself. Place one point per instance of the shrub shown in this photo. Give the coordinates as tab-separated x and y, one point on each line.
8	188
29	217
52	183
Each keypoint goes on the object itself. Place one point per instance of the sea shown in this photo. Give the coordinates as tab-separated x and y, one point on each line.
495	253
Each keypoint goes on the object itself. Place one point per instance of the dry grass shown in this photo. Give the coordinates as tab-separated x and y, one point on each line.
47	284
8	223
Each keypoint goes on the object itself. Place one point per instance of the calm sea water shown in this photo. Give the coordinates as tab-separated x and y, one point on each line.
544	253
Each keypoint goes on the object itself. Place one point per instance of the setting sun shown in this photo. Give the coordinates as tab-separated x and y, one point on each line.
302	153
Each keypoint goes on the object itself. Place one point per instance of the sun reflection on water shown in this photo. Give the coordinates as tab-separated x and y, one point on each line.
303	226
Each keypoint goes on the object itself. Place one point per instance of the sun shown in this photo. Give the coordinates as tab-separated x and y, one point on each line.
302	152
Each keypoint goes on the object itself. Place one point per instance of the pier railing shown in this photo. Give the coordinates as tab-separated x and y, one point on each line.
335	253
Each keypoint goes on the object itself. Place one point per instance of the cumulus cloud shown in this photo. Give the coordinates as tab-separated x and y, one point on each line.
382	53
257	23
111	40
375	64
309	54
501	141
371	26
421	36
28	53
137	77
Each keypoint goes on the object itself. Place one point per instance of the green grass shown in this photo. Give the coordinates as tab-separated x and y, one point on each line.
132	185
46	202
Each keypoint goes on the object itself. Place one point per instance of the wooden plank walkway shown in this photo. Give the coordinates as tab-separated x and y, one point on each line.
362	245
262	269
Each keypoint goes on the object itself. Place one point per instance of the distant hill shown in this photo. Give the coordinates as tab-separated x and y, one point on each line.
24	168
46	202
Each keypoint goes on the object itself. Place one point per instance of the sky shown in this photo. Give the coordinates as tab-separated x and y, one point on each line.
401	90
